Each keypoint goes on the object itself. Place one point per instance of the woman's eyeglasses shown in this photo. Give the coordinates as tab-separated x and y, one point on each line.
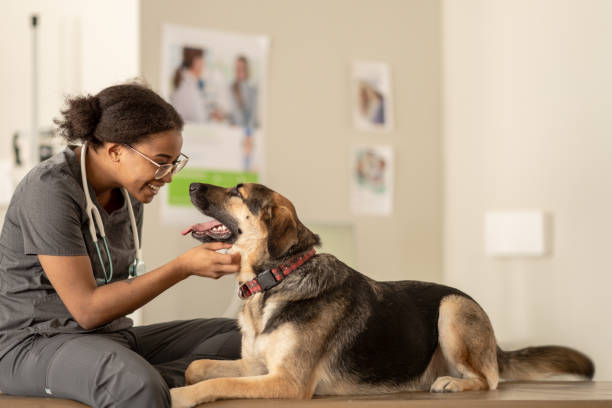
164	169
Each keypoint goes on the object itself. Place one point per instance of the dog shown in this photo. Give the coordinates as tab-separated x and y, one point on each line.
311	325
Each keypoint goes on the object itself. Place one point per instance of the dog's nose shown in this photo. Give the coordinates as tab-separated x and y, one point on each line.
197	187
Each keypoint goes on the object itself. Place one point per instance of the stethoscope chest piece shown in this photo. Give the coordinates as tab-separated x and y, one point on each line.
137	268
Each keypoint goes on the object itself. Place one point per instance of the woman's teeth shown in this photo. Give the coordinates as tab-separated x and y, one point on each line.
153	188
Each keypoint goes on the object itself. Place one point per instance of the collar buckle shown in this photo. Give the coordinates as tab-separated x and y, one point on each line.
266	279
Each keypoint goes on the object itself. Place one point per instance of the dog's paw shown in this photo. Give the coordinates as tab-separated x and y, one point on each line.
190	396
181	398
446	384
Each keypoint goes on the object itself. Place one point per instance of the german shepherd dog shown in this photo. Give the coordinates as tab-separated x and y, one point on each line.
322	328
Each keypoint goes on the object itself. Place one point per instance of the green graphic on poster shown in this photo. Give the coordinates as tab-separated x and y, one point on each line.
178	190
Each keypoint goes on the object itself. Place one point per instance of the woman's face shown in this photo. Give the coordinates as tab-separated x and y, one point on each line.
241	70
138	173
197	66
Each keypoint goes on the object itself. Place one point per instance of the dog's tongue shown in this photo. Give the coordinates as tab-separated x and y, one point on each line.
204	226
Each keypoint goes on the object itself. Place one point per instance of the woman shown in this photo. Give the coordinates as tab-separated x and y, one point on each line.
63	330
244	96
193	97
243	107
188	95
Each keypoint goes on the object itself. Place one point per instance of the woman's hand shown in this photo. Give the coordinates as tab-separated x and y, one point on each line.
204	261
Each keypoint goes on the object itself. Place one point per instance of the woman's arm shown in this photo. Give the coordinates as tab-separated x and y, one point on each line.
92	306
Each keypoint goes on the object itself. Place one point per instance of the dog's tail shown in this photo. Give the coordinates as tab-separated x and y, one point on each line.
538	363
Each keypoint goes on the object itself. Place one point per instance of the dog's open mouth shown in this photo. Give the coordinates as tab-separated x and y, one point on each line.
214	230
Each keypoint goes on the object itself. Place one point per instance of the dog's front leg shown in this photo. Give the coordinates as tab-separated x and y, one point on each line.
200	370
264	386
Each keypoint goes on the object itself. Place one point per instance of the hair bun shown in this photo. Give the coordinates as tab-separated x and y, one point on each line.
96	110
80	119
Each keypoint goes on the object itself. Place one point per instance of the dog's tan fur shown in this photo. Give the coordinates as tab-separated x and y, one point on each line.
468	343
299	359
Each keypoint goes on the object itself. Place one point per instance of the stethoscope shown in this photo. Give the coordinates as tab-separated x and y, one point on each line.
138	266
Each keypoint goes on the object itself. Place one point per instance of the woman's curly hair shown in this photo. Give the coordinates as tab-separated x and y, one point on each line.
126	113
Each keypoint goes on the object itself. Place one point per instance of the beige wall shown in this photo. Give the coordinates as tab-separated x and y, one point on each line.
309	129
528	101
75	46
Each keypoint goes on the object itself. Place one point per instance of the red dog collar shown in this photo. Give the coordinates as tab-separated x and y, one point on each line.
272	277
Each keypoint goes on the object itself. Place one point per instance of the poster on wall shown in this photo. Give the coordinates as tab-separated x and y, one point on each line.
371	96
216	81
372	180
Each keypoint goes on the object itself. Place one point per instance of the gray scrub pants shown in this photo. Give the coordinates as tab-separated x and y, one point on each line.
129	368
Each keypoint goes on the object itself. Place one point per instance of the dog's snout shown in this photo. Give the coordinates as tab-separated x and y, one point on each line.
197	193
193	187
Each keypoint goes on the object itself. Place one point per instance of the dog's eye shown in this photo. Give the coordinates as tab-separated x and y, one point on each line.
234	192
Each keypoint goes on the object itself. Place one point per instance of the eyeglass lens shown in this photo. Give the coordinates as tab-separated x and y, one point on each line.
164	169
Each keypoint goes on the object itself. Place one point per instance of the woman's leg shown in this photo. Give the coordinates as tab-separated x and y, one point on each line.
90	368
171	346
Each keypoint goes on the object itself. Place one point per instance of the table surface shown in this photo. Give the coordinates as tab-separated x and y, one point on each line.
510	394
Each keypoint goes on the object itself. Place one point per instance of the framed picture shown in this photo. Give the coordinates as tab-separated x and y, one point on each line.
216	81
372	180
371	95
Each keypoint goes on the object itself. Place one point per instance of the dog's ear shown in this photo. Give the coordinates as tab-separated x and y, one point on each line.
306	238
282	230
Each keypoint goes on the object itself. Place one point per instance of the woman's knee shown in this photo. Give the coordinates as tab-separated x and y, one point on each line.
225	345
103	373
131	384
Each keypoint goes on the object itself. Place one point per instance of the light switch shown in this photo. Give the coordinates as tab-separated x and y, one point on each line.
515	233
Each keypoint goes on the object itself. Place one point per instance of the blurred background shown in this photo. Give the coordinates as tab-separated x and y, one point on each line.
502	156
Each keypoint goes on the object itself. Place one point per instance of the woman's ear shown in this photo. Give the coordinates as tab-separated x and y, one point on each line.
114	151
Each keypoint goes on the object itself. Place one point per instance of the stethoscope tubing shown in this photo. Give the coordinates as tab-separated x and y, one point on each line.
96	220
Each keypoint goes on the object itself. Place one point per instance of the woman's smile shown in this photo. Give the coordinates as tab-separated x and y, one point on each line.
154	188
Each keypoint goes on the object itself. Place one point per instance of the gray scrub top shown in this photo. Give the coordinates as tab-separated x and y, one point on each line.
47	216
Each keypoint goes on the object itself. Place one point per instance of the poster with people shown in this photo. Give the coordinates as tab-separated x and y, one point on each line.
372	104
216	81
372	180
